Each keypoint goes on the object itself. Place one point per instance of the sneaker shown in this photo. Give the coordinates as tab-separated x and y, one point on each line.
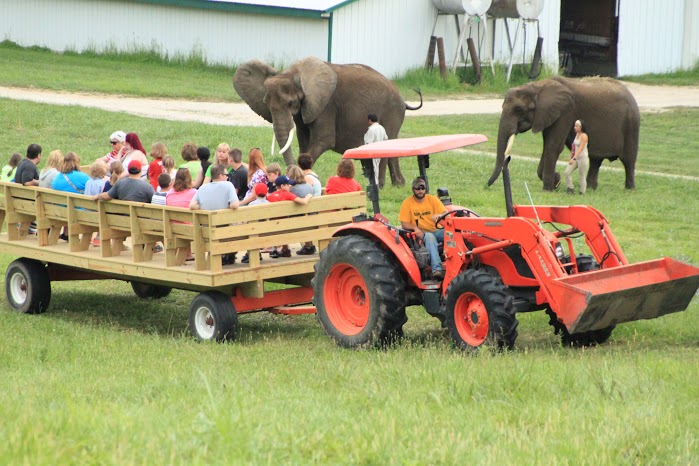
32	231
227	259
277	254
157	248
63	236
306	251
438	274
96	242
246	258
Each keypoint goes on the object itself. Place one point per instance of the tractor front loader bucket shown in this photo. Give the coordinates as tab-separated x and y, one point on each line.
599	299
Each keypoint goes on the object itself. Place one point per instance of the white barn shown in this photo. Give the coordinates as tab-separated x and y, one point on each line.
615	37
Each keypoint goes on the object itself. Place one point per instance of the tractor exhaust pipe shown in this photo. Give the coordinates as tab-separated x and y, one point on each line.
508	187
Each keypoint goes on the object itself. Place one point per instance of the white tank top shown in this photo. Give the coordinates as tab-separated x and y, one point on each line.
576	145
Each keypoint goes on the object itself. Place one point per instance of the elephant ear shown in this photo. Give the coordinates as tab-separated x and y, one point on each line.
553	100
317	81
249	83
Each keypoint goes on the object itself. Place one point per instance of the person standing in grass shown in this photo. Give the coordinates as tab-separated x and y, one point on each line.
579	159
375	133
49	172
8	171
27	173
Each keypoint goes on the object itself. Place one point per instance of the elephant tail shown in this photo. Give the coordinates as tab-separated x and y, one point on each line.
408	107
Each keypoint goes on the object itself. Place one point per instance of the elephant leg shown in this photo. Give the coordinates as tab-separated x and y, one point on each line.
303	135
396	175
382	173
554	141
630	169
595	163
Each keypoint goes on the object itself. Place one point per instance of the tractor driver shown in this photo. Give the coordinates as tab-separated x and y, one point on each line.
419	213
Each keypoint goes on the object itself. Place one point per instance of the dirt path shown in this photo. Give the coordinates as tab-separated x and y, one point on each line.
650	98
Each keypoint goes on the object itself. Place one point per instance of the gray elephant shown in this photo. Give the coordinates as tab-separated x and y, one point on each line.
327	103
551	106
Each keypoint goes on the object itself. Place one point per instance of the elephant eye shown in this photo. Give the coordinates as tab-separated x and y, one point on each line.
291	103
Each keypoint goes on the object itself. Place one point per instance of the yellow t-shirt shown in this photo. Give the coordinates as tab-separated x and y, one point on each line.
412	211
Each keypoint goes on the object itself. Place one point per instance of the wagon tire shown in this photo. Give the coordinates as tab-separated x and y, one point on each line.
479	311
148	291
359	294
27	286
212	317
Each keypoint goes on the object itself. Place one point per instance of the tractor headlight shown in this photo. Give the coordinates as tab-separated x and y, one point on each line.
560	253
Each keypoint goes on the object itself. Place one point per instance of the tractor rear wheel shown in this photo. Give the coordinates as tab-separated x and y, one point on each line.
585	263
359	293
479	310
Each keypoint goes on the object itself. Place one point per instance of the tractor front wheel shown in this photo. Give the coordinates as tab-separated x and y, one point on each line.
479	311
359	293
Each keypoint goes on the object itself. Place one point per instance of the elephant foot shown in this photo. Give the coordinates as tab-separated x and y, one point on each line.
398	182
556	179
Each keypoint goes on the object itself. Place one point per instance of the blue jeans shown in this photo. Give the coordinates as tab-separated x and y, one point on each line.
432	241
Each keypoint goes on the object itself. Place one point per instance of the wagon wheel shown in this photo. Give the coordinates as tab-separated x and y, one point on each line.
27	286
212	317
148	291
479	311
359	293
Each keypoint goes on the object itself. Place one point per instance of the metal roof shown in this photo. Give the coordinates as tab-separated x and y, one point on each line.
302	8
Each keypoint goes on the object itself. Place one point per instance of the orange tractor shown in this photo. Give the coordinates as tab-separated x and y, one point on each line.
495	268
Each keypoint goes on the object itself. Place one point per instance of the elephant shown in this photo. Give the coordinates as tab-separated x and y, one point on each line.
328	104
552	105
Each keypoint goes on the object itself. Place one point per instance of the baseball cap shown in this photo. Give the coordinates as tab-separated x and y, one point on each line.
418	182
118	136
134	167
261	189
283	180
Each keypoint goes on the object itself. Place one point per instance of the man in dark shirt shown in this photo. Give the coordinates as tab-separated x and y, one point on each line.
27	174
238	174
132	188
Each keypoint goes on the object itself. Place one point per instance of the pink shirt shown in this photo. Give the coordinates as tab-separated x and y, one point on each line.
181	198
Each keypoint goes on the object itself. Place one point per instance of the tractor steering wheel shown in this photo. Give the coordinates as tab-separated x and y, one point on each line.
467	212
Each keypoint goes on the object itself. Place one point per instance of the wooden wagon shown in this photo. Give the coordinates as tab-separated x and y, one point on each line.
130	231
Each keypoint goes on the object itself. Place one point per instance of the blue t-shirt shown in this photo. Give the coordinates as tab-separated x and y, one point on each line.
77	180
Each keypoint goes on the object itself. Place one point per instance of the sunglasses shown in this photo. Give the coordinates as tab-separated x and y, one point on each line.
419	188
114	142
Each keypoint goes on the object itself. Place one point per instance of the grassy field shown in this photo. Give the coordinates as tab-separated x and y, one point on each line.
101	378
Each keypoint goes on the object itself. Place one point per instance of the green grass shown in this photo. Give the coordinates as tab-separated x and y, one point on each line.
142	73
103	378
678	78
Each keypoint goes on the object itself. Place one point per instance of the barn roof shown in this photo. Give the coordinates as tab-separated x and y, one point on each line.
302	8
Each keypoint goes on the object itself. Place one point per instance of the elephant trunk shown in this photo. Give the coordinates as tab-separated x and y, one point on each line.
506	138
282	132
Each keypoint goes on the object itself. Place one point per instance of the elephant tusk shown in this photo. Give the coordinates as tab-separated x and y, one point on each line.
274	144
288	141
510	143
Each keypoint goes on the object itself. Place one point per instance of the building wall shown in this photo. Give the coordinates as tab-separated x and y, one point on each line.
651	36
690	53
223	37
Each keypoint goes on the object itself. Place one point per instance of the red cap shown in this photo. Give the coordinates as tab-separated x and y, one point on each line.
134	167
260	189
